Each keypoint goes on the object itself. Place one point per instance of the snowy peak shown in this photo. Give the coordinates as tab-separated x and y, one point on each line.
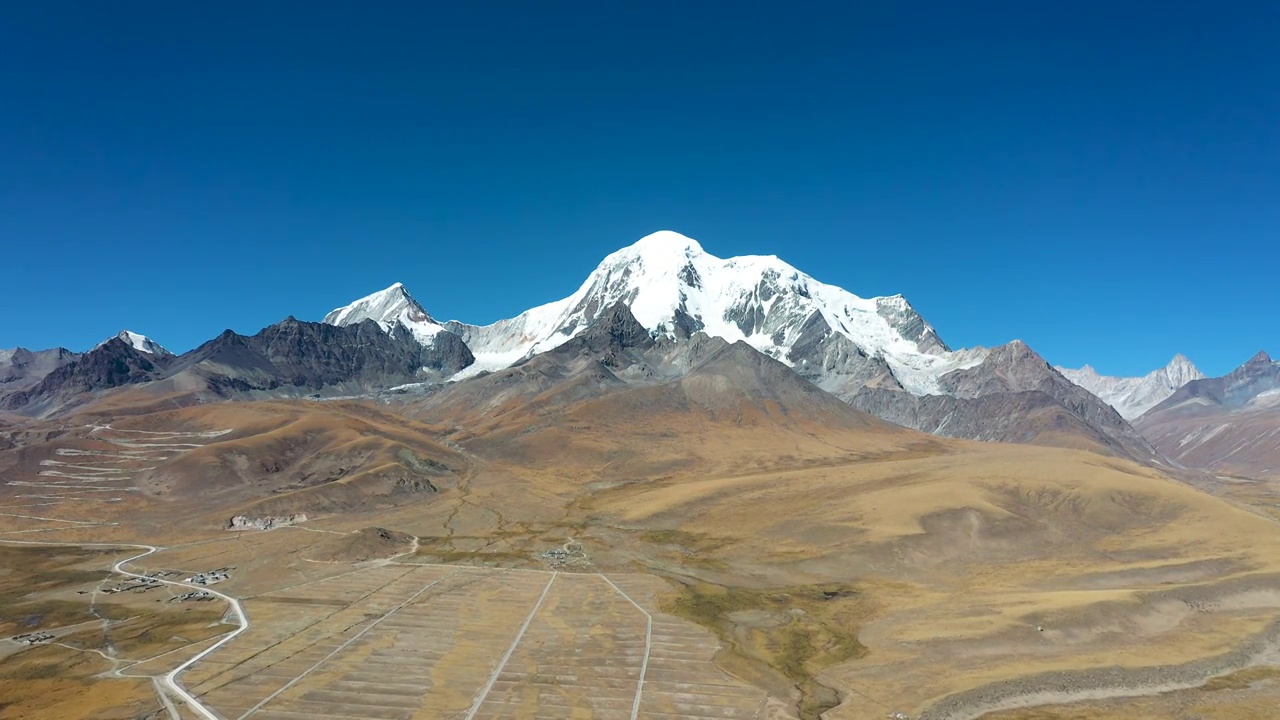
1179	371
675	288
389	308
664	244
1255	379
138	342
382	306
1132	397
1085	372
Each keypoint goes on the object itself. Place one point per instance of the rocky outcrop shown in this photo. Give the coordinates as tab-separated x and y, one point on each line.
909	324
615	353
446	355
371	543
833	362
244	522
616	339
306	356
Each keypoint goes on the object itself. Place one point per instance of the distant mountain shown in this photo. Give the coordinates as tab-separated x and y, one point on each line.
22	369
290	358
142	343
115	363
1228	424
299	357
1012	395
1132	396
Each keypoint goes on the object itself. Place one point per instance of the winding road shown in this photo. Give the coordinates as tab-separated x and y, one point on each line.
170	680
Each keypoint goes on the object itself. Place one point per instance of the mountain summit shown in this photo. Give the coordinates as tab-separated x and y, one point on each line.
389	308
141	343
675	289
1133	396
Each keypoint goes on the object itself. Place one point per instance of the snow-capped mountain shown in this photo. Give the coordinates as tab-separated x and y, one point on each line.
388	308
1133	396
876	353
138	342
675	288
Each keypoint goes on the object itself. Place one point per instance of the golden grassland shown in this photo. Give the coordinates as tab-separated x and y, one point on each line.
37	588
860	570
56	682
962	552
961	549
51	589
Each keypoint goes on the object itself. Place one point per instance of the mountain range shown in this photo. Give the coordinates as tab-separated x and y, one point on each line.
653	313
1131	397
1228	424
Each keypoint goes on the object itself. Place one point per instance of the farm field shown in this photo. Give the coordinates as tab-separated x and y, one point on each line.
402	641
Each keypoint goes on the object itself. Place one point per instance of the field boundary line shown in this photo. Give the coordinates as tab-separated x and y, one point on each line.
648	644
493	678
344	645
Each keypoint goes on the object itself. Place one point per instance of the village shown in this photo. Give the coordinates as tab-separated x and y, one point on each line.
33	638
211	577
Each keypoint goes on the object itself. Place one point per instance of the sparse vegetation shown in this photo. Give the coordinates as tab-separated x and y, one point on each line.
1241	679
154	633
42	614
441	549
48	662
51	681
792	632
690	548
24	595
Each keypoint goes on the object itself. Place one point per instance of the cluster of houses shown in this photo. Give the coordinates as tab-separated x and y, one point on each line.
194	595
137	585
571	554
556	558
211	577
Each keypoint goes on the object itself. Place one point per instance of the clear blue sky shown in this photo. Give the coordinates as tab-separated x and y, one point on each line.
1101	180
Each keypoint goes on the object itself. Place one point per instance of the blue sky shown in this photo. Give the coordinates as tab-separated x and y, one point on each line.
1100	181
